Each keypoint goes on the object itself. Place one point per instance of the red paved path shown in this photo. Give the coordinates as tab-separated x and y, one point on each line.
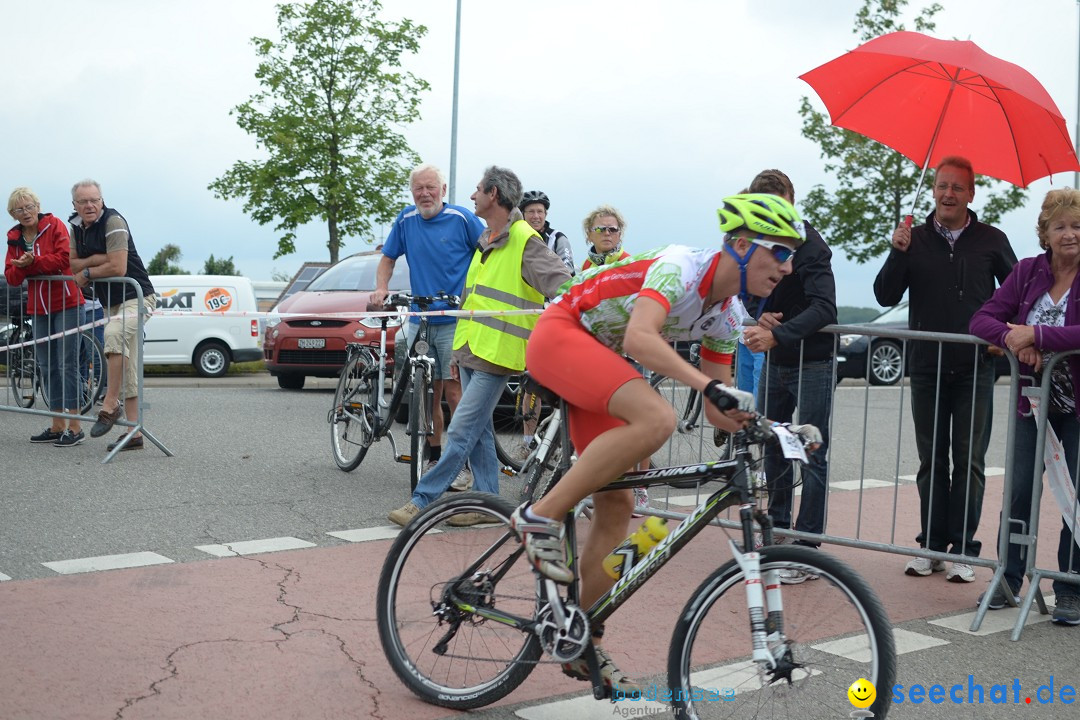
293	634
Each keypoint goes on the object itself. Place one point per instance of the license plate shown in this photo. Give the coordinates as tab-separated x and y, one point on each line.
312	343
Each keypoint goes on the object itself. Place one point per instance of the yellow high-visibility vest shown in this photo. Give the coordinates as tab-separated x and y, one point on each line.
496	284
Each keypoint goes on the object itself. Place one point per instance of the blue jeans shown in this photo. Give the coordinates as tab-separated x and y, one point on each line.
748	368
779	392
951	502
57	360
1067	428
469	437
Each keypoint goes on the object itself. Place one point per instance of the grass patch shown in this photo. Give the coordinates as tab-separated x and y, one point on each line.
245	368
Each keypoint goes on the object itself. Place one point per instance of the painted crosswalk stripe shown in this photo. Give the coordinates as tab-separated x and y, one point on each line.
865	483
994	621
252	547
857	648
106	562
386	532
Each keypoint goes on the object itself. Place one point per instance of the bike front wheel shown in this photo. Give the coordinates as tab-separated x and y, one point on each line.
354	416
22	375
834	628
437	581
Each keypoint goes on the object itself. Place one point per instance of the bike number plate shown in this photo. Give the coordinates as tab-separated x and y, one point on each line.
312	343
790	444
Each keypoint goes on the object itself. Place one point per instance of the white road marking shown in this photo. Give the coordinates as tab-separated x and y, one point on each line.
856	647
867	483
995	620
4	577
106	562
252	547
386	532
587	707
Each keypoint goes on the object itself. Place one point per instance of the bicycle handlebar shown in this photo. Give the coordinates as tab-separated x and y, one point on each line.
421	301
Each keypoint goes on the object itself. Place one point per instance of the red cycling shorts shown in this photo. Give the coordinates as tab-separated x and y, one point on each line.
565	358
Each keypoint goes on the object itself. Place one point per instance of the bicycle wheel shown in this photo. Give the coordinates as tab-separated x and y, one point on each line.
91	370
420	427
539	475
22	375
442	650
692	440
835	629
509	425
354	416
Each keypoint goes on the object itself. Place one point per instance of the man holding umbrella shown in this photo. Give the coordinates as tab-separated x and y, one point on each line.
949	264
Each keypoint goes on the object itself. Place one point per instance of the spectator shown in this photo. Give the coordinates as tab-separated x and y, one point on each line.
512	269
104	248
438	241
534	206
39	245
1036	313
798	371
949	264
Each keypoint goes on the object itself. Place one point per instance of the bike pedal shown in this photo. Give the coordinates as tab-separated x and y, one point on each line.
404	459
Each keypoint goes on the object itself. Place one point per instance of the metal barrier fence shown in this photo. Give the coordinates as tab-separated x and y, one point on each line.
73	341
870	452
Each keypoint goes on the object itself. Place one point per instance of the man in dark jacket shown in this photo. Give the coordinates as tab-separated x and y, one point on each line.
798	370
949	264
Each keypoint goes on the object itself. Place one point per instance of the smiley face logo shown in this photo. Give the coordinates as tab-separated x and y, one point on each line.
862	693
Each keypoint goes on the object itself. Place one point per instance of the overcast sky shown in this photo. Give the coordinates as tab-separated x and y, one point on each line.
660	109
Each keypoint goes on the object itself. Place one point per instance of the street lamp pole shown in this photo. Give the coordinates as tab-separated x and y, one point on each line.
453	115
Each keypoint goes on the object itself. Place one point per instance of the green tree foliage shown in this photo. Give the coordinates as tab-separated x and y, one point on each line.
220	267
876	185
848	315
333	95
164	262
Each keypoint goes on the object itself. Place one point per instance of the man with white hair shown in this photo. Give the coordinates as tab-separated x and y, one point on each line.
438	241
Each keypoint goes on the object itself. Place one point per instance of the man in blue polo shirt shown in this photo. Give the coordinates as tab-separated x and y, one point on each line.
438	240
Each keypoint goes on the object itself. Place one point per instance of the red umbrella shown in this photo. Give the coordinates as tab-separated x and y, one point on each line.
928	98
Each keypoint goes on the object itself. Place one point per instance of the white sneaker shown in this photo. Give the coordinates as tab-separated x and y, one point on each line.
960	573
641	501
921	567
463	482
794	576
521	452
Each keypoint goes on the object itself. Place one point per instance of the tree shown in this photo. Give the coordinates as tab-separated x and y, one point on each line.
333	95
877	184
220	267
164	262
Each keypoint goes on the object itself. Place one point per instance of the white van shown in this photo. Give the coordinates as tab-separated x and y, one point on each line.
192	332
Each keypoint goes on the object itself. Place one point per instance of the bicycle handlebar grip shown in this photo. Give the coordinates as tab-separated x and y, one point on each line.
719	397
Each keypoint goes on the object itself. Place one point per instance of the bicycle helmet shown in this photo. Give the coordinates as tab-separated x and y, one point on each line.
534	196
763	214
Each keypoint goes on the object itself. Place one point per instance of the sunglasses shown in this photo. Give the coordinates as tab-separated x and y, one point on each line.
606	229
780	251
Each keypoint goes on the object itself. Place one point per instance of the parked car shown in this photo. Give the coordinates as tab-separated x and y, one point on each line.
885	355
308	338
185	334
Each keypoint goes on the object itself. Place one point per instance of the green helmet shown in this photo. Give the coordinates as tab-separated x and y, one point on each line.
764	214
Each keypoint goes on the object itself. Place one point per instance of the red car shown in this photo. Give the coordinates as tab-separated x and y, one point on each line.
309	339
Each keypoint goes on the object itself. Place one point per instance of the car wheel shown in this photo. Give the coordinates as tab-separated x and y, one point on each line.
886	363
211	360
290	381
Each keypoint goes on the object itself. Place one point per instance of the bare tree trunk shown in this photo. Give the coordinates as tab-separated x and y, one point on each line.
334	243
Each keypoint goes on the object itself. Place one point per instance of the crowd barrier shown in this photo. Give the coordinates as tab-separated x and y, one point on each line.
867	455
25	388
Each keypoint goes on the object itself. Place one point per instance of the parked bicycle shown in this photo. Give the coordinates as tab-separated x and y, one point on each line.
463	618
361	414
26	380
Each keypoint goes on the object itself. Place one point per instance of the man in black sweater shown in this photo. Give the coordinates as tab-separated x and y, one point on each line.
798	370
949	264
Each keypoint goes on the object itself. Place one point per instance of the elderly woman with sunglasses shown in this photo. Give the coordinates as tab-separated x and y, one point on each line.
604	228
39	245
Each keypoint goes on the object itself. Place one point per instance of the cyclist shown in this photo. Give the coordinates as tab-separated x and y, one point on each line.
637	306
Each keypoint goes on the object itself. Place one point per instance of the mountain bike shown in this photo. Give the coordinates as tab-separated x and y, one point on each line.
27	381
361	414
463	618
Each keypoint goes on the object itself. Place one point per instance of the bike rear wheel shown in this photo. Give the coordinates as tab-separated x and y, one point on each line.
835	628
355	414
22	375
420	423
509	426
91	359
434	579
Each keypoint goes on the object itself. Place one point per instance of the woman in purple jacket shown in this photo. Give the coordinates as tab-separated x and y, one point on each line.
1036	313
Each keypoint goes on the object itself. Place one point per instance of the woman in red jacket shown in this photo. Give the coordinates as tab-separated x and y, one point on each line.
39	245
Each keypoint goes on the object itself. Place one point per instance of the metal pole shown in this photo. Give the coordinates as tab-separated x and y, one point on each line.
453	115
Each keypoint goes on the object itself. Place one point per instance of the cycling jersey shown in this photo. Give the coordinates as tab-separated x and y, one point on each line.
676	276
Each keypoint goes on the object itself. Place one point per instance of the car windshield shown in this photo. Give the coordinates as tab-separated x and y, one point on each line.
358	273
893	316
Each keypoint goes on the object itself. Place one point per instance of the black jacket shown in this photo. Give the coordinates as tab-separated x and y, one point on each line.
807	298
91	241
947	285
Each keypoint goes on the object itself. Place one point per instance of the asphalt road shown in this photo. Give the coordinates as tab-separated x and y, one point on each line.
252	461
